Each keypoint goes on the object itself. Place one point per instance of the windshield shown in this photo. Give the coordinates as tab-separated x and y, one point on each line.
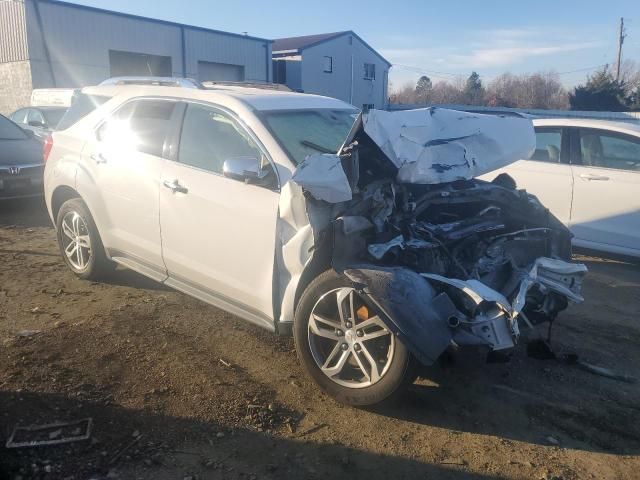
53	115
305	132
10	131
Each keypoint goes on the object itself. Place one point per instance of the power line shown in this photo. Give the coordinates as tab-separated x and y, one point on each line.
583	69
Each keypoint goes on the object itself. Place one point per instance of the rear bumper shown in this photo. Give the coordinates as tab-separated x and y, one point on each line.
21	186
21	181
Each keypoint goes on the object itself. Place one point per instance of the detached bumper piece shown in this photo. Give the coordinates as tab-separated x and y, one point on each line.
430	312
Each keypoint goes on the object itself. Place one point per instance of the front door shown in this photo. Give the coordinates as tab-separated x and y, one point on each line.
218	234
125	160
606	198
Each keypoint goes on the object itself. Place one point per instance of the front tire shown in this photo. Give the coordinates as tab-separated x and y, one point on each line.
345	346
80	242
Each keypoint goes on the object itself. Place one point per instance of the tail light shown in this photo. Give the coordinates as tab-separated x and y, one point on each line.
46	147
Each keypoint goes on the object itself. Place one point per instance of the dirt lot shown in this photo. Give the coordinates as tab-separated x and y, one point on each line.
178	389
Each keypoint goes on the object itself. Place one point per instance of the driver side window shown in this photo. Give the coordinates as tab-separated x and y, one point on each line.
210	137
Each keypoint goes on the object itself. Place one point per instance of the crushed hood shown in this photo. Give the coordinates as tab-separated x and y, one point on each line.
445	258
436	145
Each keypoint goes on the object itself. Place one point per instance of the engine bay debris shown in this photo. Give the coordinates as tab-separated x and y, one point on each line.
448	259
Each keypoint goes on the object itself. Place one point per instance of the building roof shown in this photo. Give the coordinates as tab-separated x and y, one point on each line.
297	44
149	19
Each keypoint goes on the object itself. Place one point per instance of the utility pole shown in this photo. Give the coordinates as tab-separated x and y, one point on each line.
621	37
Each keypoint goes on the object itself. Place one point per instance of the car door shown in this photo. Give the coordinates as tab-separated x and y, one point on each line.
218	234
606	199
124	162
547	174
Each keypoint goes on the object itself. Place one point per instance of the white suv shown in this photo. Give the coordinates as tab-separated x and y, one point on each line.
192	187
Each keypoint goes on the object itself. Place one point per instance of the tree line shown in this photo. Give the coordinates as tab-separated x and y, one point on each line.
540	90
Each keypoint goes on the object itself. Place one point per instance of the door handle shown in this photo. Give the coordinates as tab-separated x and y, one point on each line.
174	186
591	176
98	158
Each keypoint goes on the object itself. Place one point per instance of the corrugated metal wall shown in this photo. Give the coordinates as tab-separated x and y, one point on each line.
13	34
79	40
219	48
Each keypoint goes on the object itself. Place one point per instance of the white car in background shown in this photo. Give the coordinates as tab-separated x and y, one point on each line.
587	172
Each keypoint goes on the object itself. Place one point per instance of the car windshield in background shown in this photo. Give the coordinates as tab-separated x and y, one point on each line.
53	115
81	106
305	132
10	131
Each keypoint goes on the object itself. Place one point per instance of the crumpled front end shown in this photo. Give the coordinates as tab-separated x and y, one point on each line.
447	259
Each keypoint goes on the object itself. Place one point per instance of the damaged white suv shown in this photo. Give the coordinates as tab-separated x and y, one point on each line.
367	237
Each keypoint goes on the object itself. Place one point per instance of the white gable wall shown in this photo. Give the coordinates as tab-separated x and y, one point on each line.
338	84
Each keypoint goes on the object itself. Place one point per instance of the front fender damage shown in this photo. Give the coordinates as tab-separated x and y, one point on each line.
447	260
409	306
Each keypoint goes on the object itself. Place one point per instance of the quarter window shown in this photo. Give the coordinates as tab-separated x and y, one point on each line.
140	125
210	137
609	150
548	145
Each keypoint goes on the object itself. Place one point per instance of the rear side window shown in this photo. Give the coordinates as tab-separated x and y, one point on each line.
600	148
548	145
35	118
19	116
81	106
140	125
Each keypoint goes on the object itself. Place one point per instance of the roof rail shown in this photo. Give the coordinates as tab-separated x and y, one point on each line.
211	84
158	81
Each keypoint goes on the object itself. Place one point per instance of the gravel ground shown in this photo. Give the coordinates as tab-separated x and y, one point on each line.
178	389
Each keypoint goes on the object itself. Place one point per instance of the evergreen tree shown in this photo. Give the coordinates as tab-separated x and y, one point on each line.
601	92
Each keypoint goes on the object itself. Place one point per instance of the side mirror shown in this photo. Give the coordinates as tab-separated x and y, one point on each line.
244	169
36	123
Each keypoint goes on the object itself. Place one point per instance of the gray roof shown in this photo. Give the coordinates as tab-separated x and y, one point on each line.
149	19
298	44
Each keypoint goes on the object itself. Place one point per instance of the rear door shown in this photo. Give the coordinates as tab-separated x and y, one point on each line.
124	161
606	199
218	234
547	174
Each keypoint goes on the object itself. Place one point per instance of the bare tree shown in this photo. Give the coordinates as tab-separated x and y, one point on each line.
538	90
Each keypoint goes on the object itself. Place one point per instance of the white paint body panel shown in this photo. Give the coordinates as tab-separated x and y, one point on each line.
220	235
601	206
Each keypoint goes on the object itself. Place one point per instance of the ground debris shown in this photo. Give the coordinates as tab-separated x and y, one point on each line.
28	333
50	434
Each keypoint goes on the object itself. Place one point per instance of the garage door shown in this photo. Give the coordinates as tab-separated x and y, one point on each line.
224	72
124	64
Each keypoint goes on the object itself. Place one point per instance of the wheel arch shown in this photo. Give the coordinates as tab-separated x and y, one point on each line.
60	195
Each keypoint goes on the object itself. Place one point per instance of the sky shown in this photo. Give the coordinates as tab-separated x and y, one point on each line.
444	40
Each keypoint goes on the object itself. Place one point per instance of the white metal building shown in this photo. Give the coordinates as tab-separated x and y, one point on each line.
339	65
47	43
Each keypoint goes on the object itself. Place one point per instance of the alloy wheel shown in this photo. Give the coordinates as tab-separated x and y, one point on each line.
76	242
349	342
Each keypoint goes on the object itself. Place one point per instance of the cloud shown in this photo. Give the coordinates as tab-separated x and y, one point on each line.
490	49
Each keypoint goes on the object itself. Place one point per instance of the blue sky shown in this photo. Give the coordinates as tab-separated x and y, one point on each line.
444	39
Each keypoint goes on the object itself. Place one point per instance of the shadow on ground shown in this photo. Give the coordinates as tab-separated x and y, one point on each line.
187	447
27	212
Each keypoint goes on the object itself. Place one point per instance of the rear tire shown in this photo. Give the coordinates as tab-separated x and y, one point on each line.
356	363
80	242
